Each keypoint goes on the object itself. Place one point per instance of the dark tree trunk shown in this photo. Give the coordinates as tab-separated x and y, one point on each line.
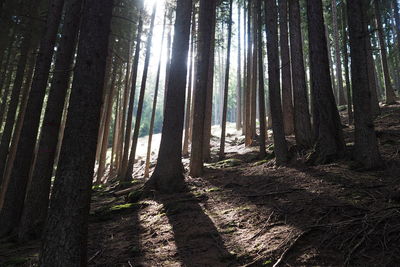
397	26
226	86
206	14
330	143
239	75
26	45
168	173
64	241
366	145
346	67
132	155
247	98
37	198
286	75
261	86
303	131
15	194
372	79
280	146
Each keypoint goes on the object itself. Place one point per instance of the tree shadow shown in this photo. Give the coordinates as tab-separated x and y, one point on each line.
196	237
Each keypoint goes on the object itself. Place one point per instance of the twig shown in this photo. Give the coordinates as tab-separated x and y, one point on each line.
281	258
94	256
348	258
274	193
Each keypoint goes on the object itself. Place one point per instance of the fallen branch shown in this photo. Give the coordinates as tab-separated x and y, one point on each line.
275	193
283	255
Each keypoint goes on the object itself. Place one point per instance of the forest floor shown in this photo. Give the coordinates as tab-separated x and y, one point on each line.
246	212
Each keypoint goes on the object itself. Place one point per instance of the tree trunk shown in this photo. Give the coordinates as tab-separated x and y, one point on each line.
261	86
346	67
37	198
303	131
26	45
366	145
286	75
168	173
247	104
239	75
206	25
280	146
397	26
11	212
390	95
339	73
188	112
153	110
64	241
131	161
330	143
129	120
226	86
372	79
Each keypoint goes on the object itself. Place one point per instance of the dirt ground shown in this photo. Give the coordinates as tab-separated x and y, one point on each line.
246	212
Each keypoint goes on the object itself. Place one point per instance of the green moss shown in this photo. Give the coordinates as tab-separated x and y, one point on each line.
213	189
15	261
123	206
267	262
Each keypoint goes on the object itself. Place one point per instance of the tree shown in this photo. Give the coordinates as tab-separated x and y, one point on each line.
286	74
168	173
390	95
239	75
154	106
206	14
226	86
339	74
280	146
261	86
139	112
128	134
303	131
366	145
37	198
329	137
64	241
15	193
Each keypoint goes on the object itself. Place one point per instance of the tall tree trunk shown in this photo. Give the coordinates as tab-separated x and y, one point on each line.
206	25
248	137
346	67
339	73
280	146
254	80
11	211
261	86
396	15
132	155
64	241
129	120
188	112
286	75
153	110
26	45
239	75
226	86
168	173
37	198
390	95
107	121
372	79
303	131
366	145
330	143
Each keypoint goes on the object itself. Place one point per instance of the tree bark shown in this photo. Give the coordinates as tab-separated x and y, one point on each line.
286	74
64	241
206	15
239	75
366	145
303	131
330	143
280	146
261	86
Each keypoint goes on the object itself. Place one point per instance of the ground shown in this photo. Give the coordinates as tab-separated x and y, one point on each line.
246	212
